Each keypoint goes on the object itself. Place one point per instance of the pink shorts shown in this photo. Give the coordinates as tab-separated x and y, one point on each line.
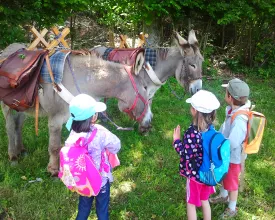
195	192
231	180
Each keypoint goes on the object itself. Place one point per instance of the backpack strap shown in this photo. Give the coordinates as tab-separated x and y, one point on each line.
248	114
210	146
219	152
90	139
103	166
82	141
240	112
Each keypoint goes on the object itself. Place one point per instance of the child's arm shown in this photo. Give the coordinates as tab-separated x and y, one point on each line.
178	146
111	142
177	143
191	139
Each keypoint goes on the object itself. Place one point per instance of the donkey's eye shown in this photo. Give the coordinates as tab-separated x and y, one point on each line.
193	66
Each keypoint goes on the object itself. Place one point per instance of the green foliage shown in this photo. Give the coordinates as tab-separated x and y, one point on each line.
208	68
265	57
10	34
16	14
250	22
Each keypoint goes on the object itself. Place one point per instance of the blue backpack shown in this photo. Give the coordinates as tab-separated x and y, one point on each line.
216	157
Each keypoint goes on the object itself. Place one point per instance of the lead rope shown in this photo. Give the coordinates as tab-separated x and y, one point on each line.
117	127
174	92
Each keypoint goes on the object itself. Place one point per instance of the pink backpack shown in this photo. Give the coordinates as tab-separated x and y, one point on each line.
77	169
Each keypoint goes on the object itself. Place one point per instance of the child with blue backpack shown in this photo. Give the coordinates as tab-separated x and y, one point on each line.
203	111
236	96
82	123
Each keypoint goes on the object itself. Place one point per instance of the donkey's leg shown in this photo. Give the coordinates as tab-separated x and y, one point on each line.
145	125
55	127
19	122
14	124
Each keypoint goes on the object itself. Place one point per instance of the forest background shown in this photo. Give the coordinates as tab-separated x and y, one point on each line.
240	33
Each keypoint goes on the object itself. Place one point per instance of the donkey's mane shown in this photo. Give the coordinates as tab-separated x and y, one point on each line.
93	60
164	52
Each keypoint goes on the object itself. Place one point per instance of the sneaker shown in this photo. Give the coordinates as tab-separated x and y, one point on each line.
219	199
228	213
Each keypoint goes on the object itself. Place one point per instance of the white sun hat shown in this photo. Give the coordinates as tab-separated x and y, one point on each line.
83	107
204	101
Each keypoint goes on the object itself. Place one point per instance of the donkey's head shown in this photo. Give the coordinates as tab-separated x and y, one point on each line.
189	69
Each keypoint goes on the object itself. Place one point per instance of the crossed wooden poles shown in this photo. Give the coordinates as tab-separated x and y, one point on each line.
59	39
123	40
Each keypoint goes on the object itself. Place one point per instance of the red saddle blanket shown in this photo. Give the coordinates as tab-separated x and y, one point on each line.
133	57
19	78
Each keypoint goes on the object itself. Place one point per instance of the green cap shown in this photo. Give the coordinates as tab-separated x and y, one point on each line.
237	88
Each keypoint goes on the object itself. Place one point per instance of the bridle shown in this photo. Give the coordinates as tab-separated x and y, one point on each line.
187	79
154	78
129	111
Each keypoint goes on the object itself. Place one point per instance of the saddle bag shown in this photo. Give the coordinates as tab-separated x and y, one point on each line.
19	78
133	57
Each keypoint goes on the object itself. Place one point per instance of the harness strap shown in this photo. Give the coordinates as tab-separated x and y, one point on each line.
36	113
151	73
51	73
129	110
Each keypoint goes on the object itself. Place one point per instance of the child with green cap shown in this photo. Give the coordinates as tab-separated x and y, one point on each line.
236	96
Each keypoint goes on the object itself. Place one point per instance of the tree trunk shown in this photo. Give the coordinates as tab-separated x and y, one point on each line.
153	31
223	31
250	46
72	30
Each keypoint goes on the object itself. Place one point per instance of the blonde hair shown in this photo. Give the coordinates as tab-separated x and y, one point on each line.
204	120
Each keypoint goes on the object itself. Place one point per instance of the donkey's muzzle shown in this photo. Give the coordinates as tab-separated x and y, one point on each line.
195	86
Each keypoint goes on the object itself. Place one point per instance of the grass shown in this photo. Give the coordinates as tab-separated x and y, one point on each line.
147	184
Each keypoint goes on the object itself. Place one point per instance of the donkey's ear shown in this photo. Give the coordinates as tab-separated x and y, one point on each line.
183	44
192	38
180	40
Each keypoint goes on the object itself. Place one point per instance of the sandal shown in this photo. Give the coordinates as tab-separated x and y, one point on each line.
228	213
219	199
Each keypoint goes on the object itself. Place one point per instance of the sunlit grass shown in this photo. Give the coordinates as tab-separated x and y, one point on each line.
147	184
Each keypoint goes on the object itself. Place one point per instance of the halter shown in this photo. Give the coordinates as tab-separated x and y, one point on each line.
187	71
129	111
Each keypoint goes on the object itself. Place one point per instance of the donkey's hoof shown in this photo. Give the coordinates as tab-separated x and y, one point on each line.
23	150
52	171
14	163
24	153
144	130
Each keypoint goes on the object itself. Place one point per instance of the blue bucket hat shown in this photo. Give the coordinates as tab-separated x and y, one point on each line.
83	107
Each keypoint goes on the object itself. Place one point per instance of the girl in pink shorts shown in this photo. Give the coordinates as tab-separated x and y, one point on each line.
203	111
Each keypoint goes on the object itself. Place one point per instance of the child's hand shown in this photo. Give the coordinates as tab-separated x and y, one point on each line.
176	134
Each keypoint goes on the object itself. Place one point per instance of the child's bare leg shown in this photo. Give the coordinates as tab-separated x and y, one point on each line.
191	212
233	196
206	210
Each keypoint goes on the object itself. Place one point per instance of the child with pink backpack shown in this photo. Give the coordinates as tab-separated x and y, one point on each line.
87	159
